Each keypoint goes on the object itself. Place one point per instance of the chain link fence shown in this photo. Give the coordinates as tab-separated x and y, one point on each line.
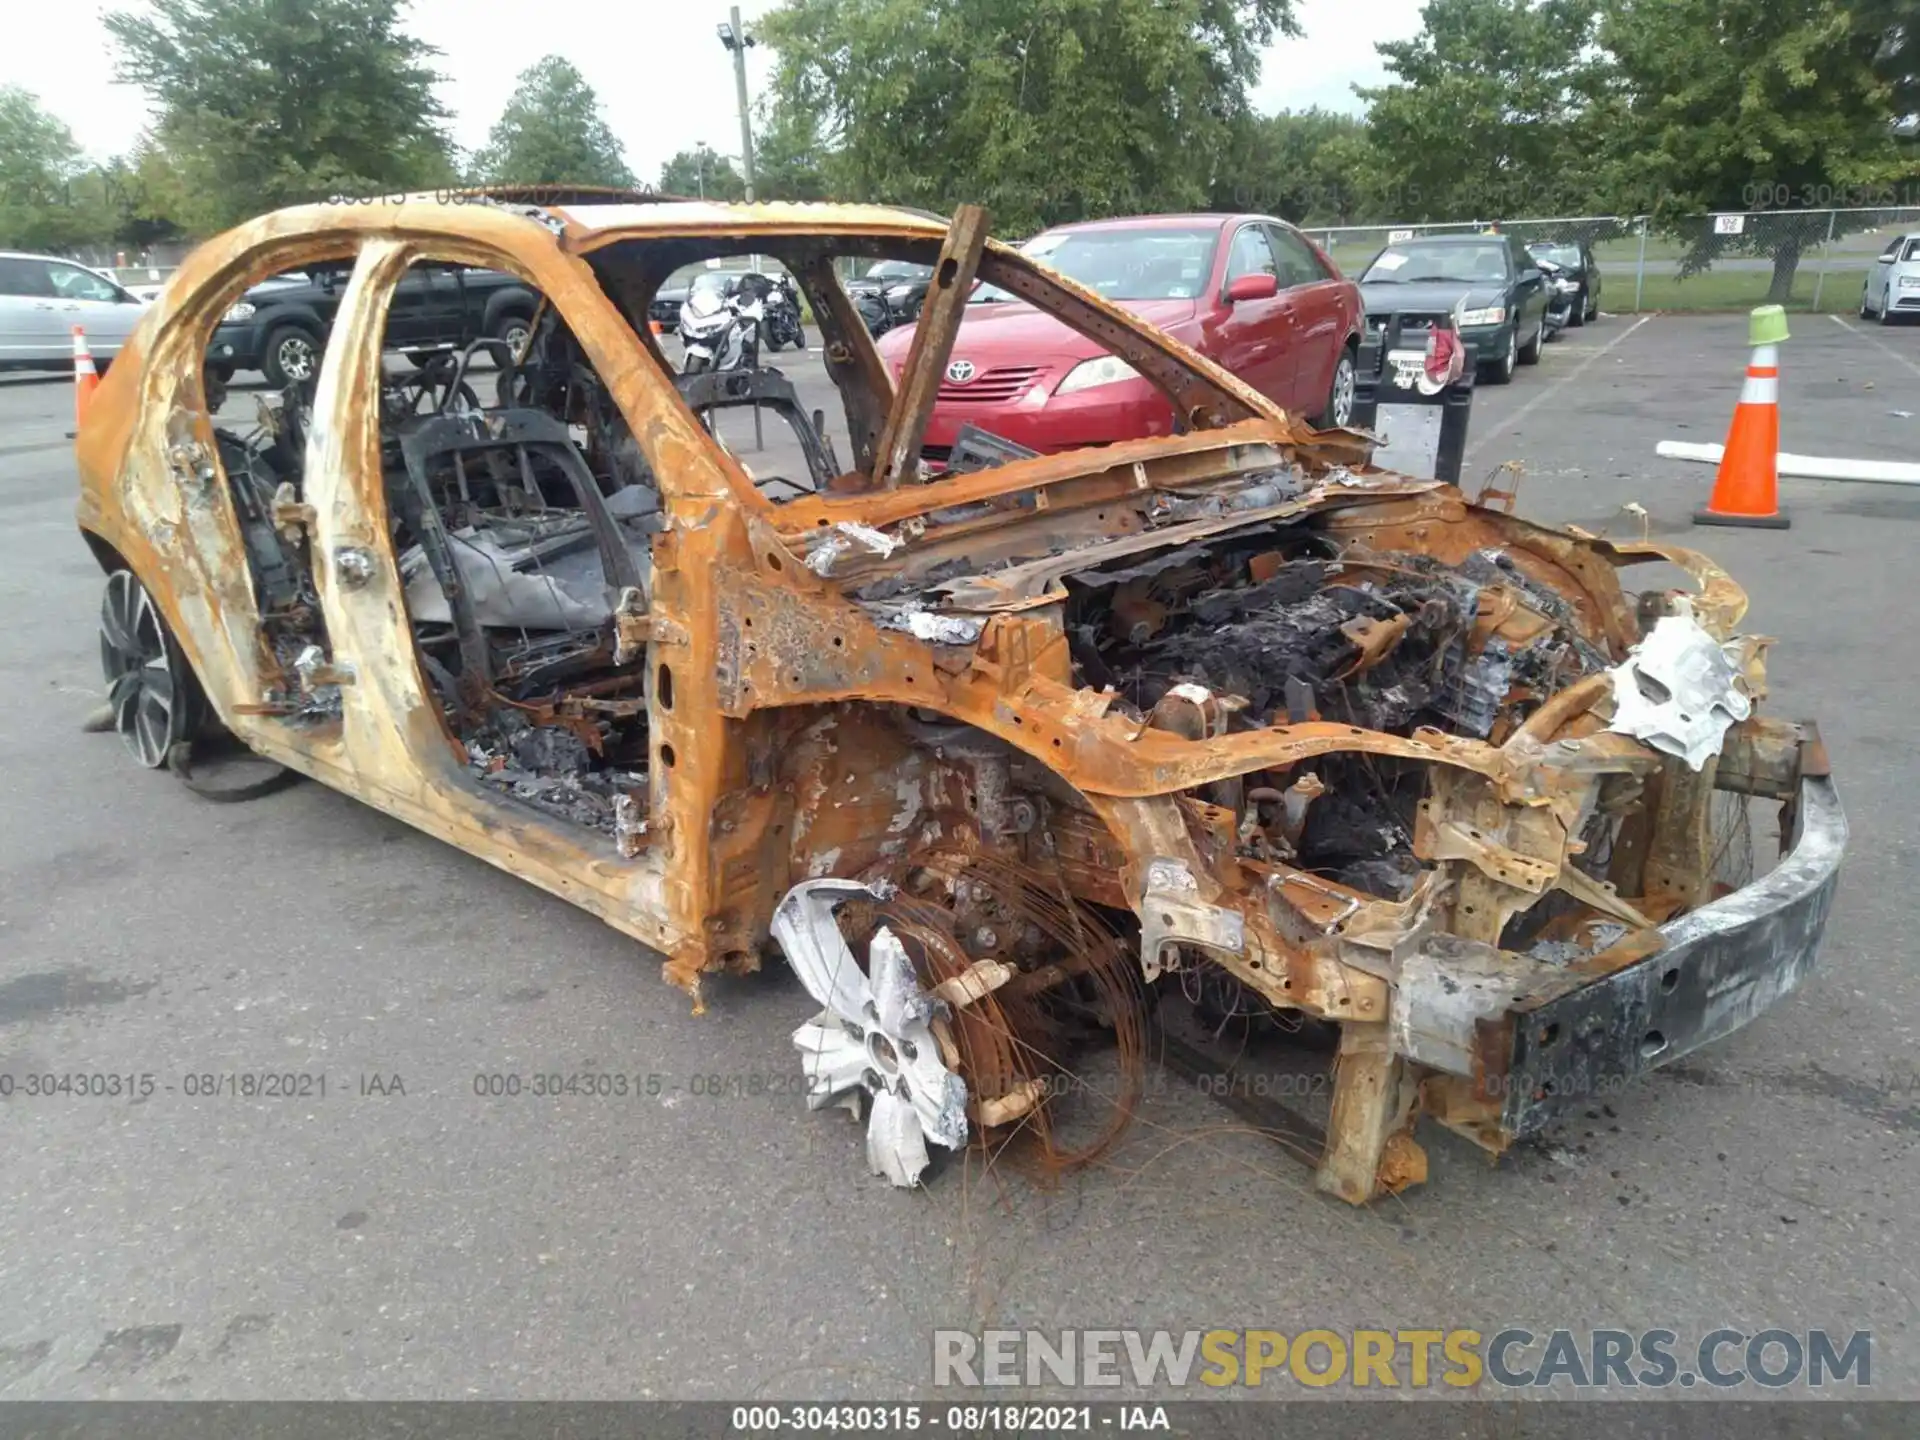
1802	259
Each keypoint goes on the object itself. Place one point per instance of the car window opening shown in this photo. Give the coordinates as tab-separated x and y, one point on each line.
523	521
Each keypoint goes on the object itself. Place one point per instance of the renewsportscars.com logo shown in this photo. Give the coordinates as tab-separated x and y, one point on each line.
1513	1358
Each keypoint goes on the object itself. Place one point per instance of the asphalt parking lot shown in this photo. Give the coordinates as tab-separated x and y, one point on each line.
402	1236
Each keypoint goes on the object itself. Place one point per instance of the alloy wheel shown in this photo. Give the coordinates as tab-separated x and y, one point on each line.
296	357
1340	407
149	686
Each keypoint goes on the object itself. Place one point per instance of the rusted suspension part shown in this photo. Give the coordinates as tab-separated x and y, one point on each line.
976	1037
1022	987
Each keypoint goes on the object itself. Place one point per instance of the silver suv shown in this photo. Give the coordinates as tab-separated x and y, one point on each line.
42	298
1893	284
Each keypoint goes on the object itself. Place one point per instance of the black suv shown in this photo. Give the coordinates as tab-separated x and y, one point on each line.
279	327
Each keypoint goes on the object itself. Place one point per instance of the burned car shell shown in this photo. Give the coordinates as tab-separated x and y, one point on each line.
779	666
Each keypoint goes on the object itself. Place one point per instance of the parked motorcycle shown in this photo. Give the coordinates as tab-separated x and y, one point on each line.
721	322
782	327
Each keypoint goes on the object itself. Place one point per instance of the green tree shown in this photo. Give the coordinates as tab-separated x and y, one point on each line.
1482	119
264	103
39	165
152	194
702	173
787	159
1745	104
1044	110
551	132
1895	27
1305	166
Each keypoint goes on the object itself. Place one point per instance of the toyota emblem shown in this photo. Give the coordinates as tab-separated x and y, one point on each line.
960	371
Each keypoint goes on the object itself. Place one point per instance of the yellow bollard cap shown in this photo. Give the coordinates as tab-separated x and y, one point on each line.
1767	325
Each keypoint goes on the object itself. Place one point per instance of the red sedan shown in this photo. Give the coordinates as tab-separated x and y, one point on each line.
1249	292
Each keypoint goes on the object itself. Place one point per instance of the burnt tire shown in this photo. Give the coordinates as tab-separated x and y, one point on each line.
291	356
155	698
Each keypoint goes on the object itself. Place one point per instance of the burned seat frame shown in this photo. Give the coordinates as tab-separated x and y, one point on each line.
764	389
528	434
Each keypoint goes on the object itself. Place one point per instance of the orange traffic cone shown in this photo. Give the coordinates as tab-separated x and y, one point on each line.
1746	491
86	379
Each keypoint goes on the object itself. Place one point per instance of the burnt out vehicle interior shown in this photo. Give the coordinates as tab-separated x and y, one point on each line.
1332	751
522	518
521	524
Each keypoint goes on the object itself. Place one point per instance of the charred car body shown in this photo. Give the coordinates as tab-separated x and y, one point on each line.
996	758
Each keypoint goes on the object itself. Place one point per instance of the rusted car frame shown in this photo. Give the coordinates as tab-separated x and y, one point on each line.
893	681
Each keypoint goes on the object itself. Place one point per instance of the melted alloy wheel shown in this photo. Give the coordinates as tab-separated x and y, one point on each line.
150	687
950	1039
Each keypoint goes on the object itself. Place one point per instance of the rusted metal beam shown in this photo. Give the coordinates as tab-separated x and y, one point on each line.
853	365
1370	1147
933	339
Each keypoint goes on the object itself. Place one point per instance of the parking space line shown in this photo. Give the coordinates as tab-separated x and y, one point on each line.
1875	341
1547	394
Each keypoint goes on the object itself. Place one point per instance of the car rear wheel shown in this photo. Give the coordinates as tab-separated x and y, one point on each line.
1339	407
292	357
151	689
1580	312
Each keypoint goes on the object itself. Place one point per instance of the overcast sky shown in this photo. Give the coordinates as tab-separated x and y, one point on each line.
663	79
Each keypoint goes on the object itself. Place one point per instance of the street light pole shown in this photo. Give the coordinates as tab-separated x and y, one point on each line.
734	36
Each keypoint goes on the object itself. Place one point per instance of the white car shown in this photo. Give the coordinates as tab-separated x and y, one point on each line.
1893	284
42	298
